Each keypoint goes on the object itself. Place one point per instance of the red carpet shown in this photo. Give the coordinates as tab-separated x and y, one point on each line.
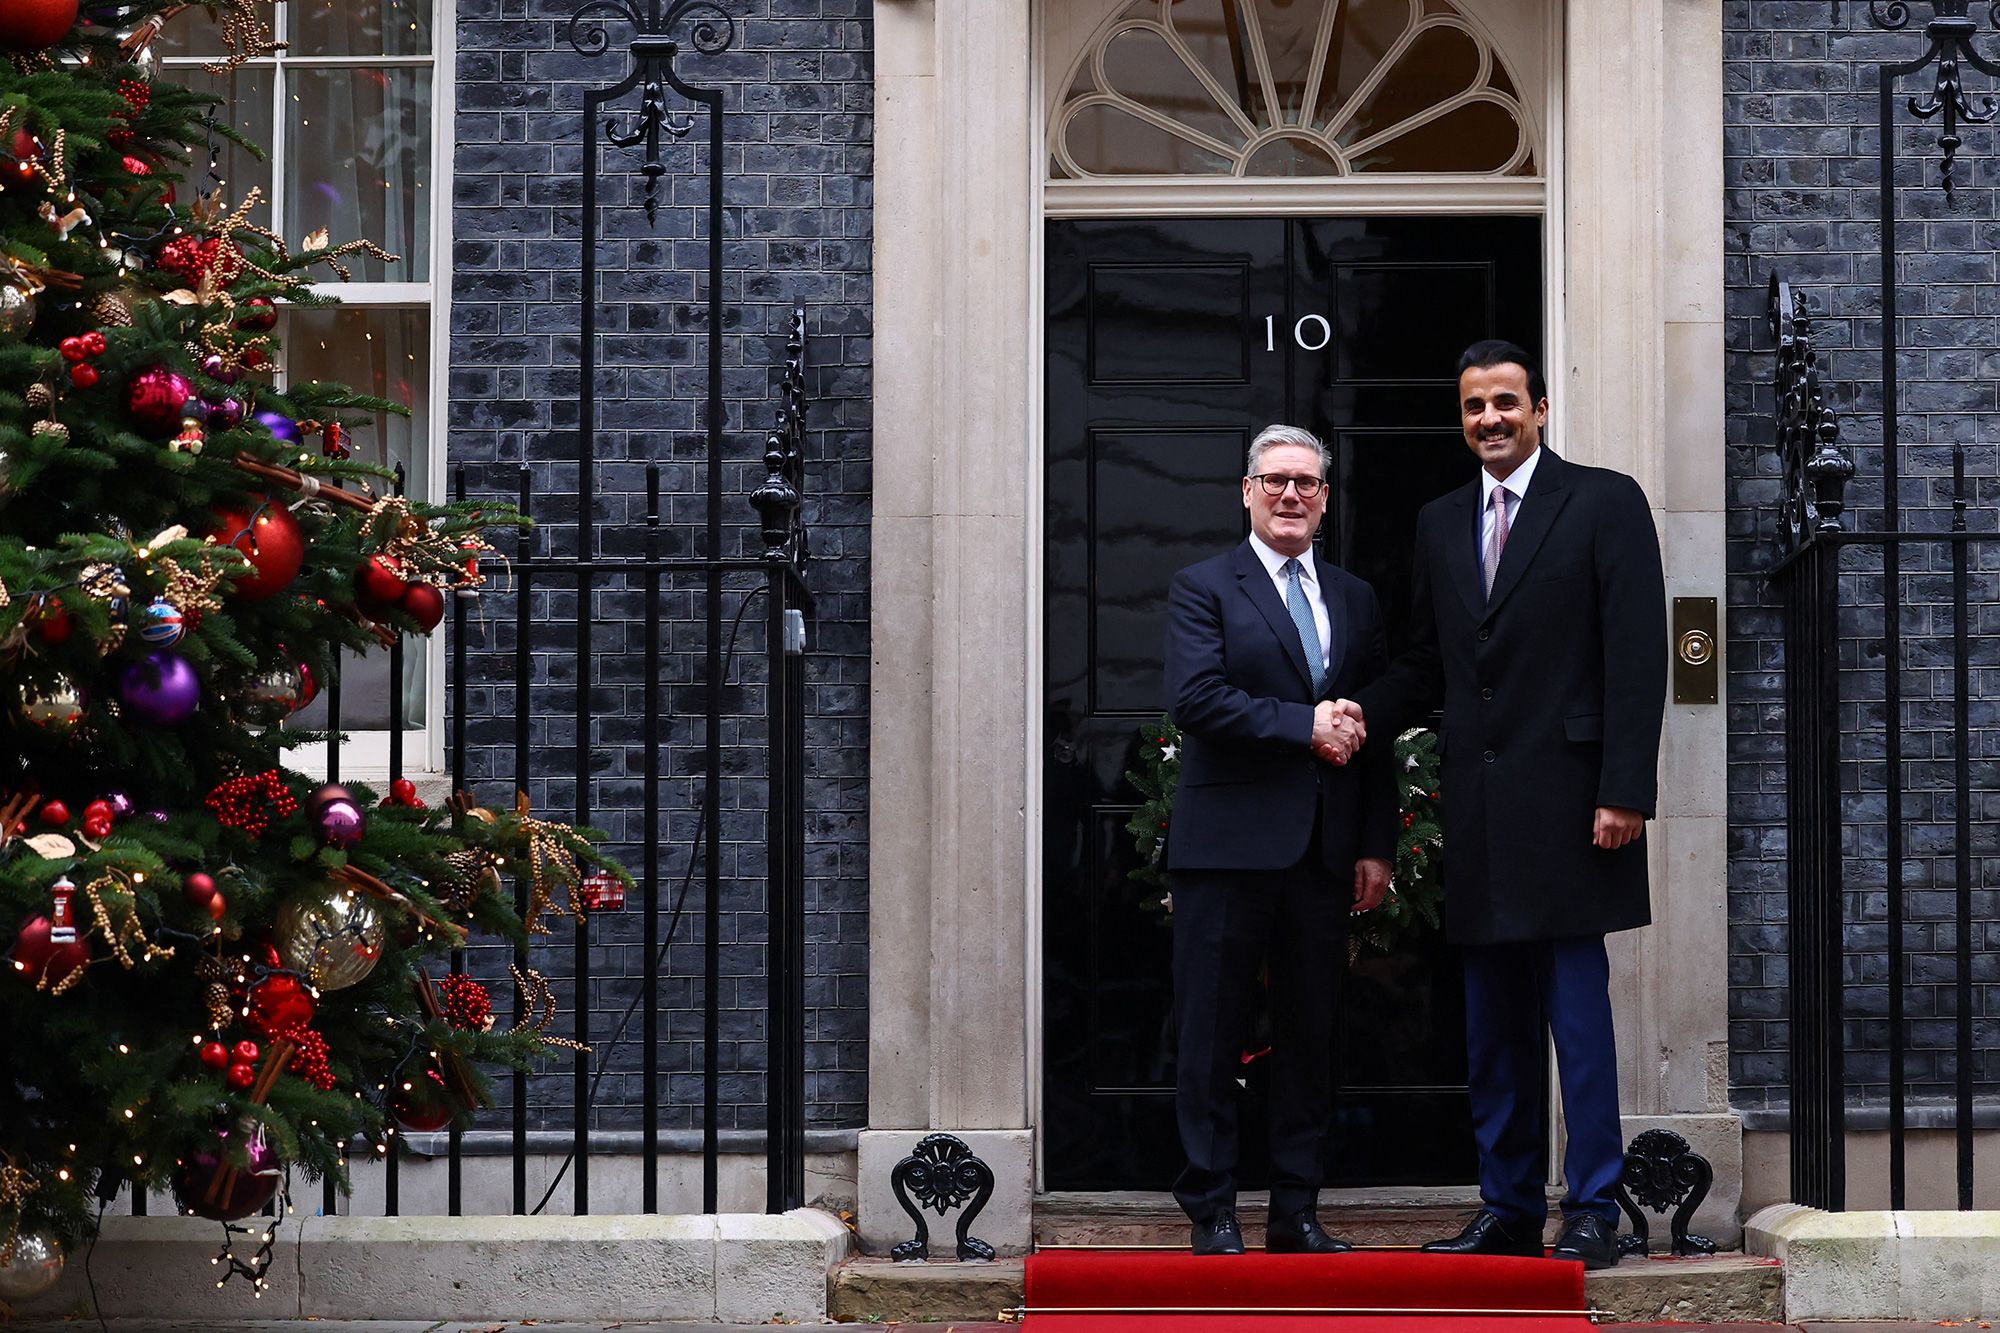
1110	1291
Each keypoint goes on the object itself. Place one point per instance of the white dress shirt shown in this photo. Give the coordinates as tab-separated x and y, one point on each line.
1309	580
1516	487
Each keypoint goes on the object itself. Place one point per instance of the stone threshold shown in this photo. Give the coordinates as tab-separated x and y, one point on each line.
1722	1288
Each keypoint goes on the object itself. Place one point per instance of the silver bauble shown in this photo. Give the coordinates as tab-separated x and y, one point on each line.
333	936
53	709
268	698
33	1267
17	308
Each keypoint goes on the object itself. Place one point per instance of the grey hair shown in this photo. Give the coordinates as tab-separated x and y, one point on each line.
1275	435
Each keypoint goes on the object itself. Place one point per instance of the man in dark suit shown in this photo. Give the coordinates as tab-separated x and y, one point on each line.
1269	848
1539	617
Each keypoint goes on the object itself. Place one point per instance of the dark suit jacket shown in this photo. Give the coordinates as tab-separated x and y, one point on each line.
1554	692
1240	693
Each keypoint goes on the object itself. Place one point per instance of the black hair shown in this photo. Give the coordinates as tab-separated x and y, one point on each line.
1490	352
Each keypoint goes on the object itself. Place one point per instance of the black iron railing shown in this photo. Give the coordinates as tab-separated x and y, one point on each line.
1824	780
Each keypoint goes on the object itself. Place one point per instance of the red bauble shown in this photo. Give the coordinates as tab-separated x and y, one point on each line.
278	1004
215	1055
198	888
72	348
55	814
51	620
217	905
379	583
93	342
308	687
31	25
424	604
22	149
272	538
155	398
36	957
241	1076
420	1104
259	314
245	1052
83	376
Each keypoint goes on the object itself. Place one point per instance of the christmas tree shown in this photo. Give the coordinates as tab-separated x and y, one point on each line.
216	968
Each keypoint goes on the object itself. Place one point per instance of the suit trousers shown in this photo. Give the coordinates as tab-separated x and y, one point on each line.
1225	923
1514	995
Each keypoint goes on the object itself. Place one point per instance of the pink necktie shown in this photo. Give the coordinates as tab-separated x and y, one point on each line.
1499	542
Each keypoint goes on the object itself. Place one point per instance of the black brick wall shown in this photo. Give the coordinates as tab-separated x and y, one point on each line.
1802	199
798	101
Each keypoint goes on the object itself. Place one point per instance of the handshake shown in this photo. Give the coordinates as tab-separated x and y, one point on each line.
1338	730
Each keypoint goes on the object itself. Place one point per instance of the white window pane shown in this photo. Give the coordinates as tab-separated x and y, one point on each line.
358	152
385	353
245	105
191	32
381	352
360	27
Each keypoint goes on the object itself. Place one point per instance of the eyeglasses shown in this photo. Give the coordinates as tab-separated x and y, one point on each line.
1274	484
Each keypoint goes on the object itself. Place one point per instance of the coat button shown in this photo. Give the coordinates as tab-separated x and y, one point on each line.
1490	756
1485	634
1486	693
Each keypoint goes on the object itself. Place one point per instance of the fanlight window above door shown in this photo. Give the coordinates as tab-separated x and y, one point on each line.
1291	88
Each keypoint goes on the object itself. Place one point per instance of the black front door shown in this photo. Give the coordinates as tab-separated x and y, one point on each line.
1170	344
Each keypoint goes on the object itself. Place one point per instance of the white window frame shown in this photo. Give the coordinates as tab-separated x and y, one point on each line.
366	753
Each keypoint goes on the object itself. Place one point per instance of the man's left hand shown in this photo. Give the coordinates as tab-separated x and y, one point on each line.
1371	883
1616	826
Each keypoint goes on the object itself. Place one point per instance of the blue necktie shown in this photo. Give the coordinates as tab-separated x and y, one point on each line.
1302	616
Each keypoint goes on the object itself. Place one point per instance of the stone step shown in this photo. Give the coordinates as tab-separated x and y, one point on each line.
1719	1289
1390	1215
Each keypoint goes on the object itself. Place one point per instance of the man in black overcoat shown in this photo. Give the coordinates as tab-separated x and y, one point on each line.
1269	848
1539	619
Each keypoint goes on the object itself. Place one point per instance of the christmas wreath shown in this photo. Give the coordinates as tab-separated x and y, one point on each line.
1416	885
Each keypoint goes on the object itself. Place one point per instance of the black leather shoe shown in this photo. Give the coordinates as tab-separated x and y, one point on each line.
1588	1237
1300	1234
1219	1235
1487	1234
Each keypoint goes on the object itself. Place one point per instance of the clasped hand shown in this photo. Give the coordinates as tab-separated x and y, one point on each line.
1338	730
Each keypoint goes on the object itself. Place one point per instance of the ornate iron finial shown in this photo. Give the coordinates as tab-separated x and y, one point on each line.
658	33
1808	443
1950	31
942	1173
1662	1172
778	497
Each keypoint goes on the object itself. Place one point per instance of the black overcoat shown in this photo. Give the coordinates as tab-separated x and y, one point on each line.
1554	692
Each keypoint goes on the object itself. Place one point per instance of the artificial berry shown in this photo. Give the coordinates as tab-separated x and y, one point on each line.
245	1052
404	790
98	810
99	829
215	1055
93	342
72	349
55	814
83	375
241	1076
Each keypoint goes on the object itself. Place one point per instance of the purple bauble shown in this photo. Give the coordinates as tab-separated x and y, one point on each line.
160	689
340	823
154	399
213	367
281	426
225	415
157	816
120	803
196	1187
